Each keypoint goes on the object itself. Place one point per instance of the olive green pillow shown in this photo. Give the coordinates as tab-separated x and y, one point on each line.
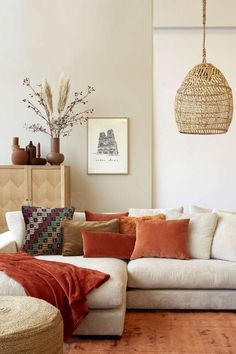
73	242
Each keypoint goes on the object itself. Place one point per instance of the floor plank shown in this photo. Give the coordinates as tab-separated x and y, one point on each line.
166	332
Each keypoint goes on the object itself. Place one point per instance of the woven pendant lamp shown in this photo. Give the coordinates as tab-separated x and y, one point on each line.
204	102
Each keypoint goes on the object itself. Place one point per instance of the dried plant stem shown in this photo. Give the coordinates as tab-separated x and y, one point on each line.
40	100
78	100
64	88
47	93
62	123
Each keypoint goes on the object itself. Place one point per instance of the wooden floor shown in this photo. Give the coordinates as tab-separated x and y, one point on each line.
166	332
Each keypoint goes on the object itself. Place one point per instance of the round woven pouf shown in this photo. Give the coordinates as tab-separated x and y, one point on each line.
29	326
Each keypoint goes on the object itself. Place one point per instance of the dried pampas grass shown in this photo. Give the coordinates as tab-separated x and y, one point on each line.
61	121
64	88
47	95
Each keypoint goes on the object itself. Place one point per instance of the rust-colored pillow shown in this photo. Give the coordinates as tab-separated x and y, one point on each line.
107	244
128	224
72	241
165	239
90	216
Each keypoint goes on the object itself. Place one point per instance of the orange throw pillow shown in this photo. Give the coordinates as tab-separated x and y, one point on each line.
128	224
107	244
90	216
165	239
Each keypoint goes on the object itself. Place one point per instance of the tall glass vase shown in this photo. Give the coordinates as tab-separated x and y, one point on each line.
55	157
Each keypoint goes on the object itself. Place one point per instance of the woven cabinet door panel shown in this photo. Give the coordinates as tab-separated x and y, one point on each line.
13	191
48	186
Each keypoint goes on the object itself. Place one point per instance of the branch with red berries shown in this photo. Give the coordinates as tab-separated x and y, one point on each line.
61	122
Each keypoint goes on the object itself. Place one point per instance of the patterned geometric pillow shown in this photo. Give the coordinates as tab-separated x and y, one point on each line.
44	232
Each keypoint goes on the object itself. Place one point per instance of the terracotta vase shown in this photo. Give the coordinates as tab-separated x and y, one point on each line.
15	143
55	157
31	151
19	157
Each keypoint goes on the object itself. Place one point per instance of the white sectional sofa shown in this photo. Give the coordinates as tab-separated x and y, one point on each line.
144	283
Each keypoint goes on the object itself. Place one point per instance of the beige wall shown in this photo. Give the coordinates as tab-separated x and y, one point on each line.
105	43
187	168
188	13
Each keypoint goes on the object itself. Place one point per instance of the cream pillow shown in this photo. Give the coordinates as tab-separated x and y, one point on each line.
202	227
224	212
197	209
224	241
171	213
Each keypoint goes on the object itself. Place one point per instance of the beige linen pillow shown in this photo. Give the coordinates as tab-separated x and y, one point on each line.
202	227
224	241
170	213
73	242
224	212
196	209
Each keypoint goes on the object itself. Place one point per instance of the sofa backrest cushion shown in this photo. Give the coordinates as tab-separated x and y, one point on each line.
171	213
202	227
224	241
16	224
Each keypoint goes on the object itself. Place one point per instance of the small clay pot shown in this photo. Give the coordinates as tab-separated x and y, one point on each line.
39	161
19	157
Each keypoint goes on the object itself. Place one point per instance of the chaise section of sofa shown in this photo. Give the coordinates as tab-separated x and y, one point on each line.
107	304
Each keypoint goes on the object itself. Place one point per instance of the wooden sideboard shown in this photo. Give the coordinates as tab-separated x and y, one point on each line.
47	186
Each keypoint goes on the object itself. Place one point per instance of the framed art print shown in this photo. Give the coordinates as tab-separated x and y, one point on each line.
107	145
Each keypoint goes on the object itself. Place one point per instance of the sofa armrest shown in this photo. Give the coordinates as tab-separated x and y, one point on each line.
7	243
16	224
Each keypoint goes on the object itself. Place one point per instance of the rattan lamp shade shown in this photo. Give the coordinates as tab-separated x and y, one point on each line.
204	102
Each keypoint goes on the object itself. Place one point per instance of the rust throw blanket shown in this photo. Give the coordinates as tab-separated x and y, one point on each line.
61	284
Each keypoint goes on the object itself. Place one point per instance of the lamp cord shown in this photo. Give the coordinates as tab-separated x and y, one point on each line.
204	32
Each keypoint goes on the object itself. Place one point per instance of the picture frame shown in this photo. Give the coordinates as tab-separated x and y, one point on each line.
107	145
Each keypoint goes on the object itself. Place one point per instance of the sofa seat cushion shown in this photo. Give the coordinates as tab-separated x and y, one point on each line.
107	296
160	273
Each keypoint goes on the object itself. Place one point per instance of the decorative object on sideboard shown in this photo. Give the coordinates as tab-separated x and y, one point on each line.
15	143
108	146
204	102
60	121
55	157
31	150
39	160
19	156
